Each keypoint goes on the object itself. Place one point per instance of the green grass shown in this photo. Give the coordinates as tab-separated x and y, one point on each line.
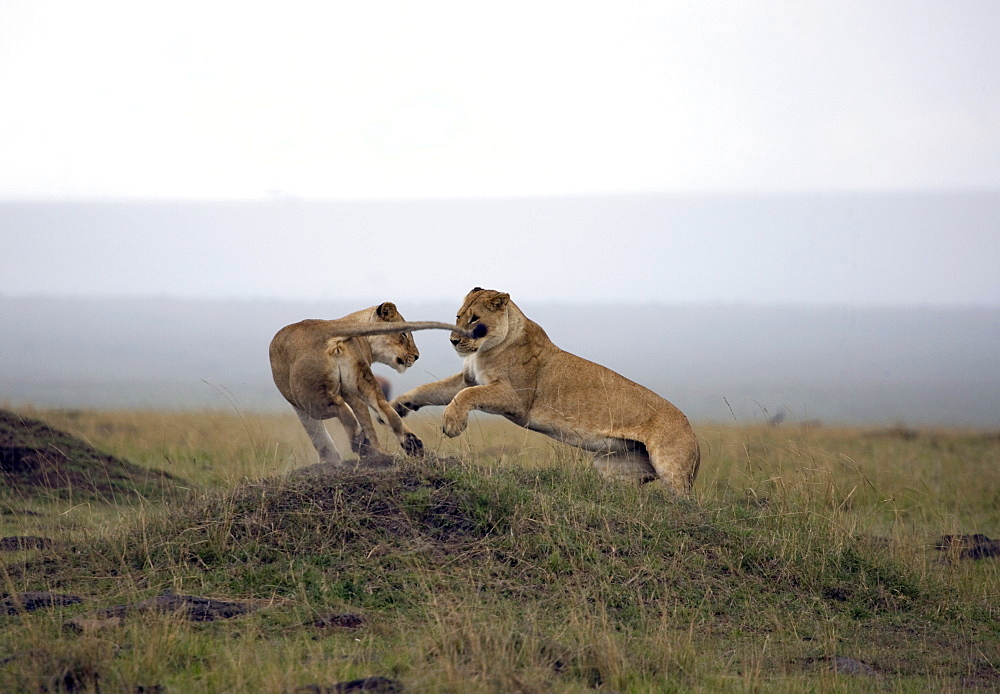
507	564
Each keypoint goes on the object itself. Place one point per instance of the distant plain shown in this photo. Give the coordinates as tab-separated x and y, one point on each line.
737	364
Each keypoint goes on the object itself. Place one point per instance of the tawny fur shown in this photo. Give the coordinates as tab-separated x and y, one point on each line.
513	369
323	369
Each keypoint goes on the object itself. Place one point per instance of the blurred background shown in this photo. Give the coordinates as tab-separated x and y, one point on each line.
762	210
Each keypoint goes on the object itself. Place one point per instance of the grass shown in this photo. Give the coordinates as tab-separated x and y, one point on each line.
504	563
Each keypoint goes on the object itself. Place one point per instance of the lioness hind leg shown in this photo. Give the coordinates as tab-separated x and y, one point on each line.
676	462
364	440
625	465
320	437
355	434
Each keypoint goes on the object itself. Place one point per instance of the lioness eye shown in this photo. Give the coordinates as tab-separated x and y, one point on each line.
473	319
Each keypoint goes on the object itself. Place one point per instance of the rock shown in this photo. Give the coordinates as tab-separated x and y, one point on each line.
843	665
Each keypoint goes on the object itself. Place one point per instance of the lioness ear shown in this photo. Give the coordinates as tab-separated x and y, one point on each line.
498	302
477	289
386	311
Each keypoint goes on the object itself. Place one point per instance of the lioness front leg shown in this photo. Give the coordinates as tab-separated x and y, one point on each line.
370	391
410	442
436	393
495	398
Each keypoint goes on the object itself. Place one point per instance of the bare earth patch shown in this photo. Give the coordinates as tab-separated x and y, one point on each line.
36	459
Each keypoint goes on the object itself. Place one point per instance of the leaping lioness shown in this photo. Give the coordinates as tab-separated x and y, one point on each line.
513	369
323	368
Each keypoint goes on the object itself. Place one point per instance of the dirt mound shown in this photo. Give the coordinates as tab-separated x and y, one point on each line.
19	543
34	600
976	546
36	459
377	684
192	607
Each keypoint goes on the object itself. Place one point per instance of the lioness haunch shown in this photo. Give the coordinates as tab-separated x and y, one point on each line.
513	369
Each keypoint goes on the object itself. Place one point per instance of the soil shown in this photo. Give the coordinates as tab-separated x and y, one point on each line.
384	685
37	460
340	620
190	607
193	608
22	543
976	546
35	600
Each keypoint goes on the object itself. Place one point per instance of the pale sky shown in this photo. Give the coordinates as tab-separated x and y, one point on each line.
460	102
350	100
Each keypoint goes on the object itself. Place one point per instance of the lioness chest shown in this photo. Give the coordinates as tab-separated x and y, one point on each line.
480	371
475	375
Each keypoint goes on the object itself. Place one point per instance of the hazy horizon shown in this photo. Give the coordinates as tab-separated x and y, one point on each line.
932	366
912	248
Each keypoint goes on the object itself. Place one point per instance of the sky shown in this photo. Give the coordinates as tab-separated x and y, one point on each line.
453	101
442	99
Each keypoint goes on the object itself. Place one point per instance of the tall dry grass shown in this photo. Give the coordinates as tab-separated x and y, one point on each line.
508	565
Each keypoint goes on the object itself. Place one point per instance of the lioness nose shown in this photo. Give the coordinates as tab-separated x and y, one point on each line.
454	340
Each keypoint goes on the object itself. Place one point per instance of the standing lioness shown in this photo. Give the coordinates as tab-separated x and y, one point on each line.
323	368
513	369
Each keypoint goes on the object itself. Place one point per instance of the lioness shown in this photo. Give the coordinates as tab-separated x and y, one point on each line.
513	369
323	368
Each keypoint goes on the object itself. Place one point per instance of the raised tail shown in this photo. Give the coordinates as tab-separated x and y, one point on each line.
362	329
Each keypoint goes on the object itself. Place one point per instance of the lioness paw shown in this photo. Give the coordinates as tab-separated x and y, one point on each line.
361	443
412	445
404	408
453	423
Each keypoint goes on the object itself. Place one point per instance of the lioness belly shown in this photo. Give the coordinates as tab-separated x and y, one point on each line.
589	441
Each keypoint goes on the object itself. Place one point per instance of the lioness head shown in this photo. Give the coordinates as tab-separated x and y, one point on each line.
398	350
484	312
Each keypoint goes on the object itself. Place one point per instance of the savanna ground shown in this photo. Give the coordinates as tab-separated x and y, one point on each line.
501	563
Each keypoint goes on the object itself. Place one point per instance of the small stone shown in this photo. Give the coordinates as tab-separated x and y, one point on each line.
849	666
